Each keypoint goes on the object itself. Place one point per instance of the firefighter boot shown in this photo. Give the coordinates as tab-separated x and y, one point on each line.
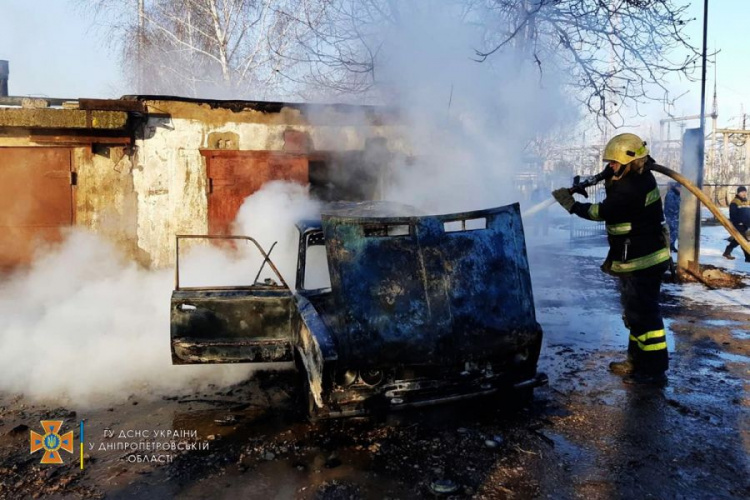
728	254
624	367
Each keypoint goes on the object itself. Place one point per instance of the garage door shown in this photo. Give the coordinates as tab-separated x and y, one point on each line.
36	200
235	175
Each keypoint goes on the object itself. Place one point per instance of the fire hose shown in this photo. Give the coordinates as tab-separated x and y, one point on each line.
708	203
580	185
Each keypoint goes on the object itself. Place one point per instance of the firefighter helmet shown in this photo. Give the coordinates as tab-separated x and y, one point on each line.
625	148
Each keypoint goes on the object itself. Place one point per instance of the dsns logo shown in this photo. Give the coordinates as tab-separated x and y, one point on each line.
51	441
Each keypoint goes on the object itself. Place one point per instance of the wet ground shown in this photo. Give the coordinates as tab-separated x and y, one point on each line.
587	435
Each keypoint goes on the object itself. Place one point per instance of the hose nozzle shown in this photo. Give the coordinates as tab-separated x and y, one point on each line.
581	183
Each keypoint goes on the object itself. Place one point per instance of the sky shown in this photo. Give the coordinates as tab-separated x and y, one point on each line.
727	22
57	51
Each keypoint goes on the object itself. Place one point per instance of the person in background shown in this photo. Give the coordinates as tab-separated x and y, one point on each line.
739	215
672	213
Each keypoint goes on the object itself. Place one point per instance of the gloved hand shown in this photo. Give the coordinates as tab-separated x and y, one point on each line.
564	198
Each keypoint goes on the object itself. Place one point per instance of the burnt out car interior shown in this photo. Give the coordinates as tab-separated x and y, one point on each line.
391	309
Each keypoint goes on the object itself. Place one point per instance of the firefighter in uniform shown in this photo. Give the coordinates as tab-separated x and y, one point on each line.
638	253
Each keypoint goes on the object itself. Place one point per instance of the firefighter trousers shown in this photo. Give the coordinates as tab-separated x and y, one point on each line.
647	347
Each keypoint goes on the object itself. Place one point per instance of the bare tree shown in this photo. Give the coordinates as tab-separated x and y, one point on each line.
340	42
216	48
618	51
615	51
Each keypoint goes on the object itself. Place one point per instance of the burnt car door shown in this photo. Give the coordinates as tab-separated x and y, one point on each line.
232	324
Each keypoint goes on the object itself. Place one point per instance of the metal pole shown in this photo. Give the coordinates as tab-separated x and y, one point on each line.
689	231
139	63
4	75
702	144
703	57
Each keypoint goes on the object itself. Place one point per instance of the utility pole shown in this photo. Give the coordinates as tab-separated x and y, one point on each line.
714	116
139	63
703	95
4	75
693	159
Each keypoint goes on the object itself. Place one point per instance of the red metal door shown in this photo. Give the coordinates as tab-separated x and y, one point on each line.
235	175
36	200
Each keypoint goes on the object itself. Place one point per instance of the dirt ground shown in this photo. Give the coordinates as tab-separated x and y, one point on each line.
586	435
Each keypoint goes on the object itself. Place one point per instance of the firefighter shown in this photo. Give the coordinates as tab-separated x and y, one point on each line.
638	253
739	215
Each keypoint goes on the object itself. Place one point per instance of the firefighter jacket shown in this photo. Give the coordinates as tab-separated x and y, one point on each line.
632	212
739	214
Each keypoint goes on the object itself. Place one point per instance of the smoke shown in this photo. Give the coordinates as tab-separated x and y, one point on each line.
271	214
470	123
269	217
477	134
82	323
85	325
471	127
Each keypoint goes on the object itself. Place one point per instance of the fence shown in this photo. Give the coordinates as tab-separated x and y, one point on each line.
583	229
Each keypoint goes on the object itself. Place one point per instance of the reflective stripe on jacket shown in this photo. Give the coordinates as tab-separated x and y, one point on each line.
632	212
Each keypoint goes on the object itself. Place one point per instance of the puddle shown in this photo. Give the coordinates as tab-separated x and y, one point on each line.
734	358
716	359
579	462
741	334
611	397
721	322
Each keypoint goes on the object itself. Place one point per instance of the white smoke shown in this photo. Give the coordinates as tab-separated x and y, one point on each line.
470	123
83	324
269	217
271	214
469	126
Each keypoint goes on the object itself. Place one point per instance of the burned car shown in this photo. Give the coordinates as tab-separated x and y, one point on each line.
419	310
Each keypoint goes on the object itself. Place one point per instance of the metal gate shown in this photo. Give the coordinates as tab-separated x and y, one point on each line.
582	228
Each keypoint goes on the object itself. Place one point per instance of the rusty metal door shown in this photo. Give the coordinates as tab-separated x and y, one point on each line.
235	175
36	200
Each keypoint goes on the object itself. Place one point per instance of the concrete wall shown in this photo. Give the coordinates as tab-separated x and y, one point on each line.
105	197
169	172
